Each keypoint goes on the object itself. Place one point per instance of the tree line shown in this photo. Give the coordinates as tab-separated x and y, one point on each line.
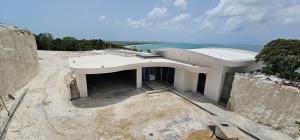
46	41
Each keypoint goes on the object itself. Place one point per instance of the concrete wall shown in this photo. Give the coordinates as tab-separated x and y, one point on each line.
264	100
18	59
214	83
185	81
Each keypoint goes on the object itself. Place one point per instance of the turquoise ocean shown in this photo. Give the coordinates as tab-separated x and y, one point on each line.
145	47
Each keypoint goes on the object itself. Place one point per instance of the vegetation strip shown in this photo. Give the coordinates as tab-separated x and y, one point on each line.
12	111
46	41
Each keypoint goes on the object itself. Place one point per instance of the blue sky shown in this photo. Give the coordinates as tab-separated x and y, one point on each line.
189	21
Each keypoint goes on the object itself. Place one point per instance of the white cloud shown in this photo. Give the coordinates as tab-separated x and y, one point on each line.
102	18
290	15
180	4
169	26
233	23
204	23
180	18
174	24
157	12
237	15
138	24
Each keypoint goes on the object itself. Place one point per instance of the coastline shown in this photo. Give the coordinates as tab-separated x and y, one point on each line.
131	46
150	46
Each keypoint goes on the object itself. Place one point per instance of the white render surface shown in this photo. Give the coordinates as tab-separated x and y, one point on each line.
106	63
227	53
185	81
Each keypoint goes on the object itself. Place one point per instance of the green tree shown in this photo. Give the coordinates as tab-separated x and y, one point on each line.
44	41
70	43
281	56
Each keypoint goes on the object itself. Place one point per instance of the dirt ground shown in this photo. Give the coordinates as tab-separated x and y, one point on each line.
46	112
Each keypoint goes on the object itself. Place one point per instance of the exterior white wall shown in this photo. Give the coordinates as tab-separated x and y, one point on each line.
139	77
82	86
185	81
214	83
192	81
179	80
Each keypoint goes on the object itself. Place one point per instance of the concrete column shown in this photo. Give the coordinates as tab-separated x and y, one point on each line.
81	83
214	83
139	77
185	81
179	80
193	82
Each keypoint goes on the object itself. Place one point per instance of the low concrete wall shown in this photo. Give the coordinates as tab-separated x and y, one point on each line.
18	58
265	100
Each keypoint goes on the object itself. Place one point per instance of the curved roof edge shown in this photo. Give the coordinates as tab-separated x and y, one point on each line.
89	65
225	56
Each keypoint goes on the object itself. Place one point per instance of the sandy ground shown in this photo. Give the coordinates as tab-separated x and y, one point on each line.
46	112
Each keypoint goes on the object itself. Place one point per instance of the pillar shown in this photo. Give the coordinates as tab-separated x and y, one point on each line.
179	80
193	82
139	77
214	83
81	84
185	80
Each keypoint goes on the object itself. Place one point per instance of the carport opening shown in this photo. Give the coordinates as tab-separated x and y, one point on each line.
158	77
108	82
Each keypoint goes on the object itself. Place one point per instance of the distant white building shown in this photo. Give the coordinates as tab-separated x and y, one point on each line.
196	70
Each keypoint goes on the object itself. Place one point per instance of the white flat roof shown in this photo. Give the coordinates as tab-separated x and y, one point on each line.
107	61
227	53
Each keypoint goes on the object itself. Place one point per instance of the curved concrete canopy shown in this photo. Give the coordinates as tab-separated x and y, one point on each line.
220	56
227	54
107	63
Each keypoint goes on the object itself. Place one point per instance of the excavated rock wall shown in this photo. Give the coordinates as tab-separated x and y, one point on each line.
18	59
267	100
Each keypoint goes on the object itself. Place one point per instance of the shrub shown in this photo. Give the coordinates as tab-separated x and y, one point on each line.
281	57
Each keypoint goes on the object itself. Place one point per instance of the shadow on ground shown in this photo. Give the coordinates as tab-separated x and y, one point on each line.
105	99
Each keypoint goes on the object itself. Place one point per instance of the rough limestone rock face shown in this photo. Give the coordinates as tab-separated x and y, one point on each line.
18	59
266	100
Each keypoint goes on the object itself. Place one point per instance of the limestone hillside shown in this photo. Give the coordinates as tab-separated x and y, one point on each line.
18	59
268	101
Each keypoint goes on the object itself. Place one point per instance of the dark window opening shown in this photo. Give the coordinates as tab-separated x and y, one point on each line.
201	82
158	74
106	82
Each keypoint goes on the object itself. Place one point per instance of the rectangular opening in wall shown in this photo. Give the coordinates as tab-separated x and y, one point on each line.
201	83
111	82
158	77
168	74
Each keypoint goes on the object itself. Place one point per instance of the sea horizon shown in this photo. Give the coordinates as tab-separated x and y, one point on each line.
149	46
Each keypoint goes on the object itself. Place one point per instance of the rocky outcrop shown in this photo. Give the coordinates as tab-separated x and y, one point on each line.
267	100
18	58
